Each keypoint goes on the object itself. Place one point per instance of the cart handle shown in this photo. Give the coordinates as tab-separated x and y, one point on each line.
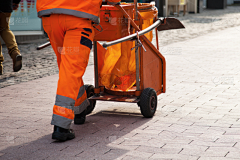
134	36
43	45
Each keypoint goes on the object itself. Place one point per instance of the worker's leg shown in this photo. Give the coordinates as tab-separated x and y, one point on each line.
55	33
72	60
63	108
75	54
10	41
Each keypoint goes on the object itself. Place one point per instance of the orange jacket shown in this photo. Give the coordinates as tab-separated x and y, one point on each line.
80	8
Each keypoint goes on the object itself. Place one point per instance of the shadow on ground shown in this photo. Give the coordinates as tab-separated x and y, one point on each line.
98	139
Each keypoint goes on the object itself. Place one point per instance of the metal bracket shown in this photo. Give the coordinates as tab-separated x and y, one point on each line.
95	26
107	17
139	44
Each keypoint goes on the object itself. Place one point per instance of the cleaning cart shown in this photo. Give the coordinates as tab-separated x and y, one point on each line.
127	66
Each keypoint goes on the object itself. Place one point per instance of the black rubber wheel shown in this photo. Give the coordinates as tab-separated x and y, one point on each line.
148	102
90	92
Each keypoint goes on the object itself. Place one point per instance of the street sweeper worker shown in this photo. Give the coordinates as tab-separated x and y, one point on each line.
69	25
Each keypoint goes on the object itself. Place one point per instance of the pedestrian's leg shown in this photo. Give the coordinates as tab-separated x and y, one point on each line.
1	59
1	55
10	41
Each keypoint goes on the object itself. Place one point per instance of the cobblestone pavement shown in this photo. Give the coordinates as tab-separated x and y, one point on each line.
200	24
37	64
198	118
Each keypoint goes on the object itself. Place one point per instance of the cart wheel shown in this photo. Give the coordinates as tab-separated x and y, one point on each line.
148	102
90	92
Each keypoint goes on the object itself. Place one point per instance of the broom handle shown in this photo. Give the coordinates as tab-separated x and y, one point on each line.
135	9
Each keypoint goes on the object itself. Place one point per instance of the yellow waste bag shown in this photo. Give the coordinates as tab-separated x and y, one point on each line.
117	67
147	16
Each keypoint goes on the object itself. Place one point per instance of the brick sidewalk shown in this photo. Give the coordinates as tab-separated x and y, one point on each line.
38	64
197	118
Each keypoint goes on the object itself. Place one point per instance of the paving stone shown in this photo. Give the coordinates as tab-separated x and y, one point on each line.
197	118
132	157
213	158
173	156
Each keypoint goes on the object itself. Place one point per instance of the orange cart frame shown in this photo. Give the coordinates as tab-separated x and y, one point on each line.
150	69
150	64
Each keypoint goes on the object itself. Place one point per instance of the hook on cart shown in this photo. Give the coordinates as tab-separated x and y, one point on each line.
139	43
95	26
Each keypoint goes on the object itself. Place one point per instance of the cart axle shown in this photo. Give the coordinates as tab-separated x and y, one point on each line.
108	97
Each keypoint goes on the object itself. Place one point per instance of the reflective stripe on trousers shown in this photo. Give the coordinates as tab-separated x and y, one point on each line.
71	39
65	108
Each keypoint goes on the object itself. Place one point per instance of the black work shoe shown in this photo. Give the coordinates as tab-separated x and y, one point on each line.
62	134
17	63
80	118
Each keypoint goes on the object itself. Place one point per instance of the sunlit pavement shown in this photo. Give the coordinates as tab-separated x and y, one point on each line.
197	118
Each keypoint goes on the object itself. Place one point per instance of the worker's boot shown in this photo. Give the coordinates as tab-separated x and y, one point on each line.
17	61
80	118
1	68
62	134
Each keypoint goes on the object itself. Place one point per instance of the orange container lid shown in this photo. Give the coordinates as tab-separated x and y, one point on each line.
110	7
142	7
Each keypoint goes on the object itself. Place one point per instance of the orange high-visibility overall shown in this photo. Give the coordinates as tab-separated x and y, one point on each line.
68	24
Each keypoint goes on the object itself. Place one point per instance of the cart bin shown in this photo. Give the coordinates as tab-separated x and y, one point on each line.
114	25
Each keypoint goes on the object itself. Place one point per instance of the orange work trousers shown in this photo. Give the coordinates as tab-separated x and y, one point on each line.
71	39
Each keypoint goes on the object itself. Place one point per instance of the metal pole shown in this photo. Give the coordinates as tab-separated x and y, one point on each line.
161	5
137	65
135	8
95	63
133	36
136	50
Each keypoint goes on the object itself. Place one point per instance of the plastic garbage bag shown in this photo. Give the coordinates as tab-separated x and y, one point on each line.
117	66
